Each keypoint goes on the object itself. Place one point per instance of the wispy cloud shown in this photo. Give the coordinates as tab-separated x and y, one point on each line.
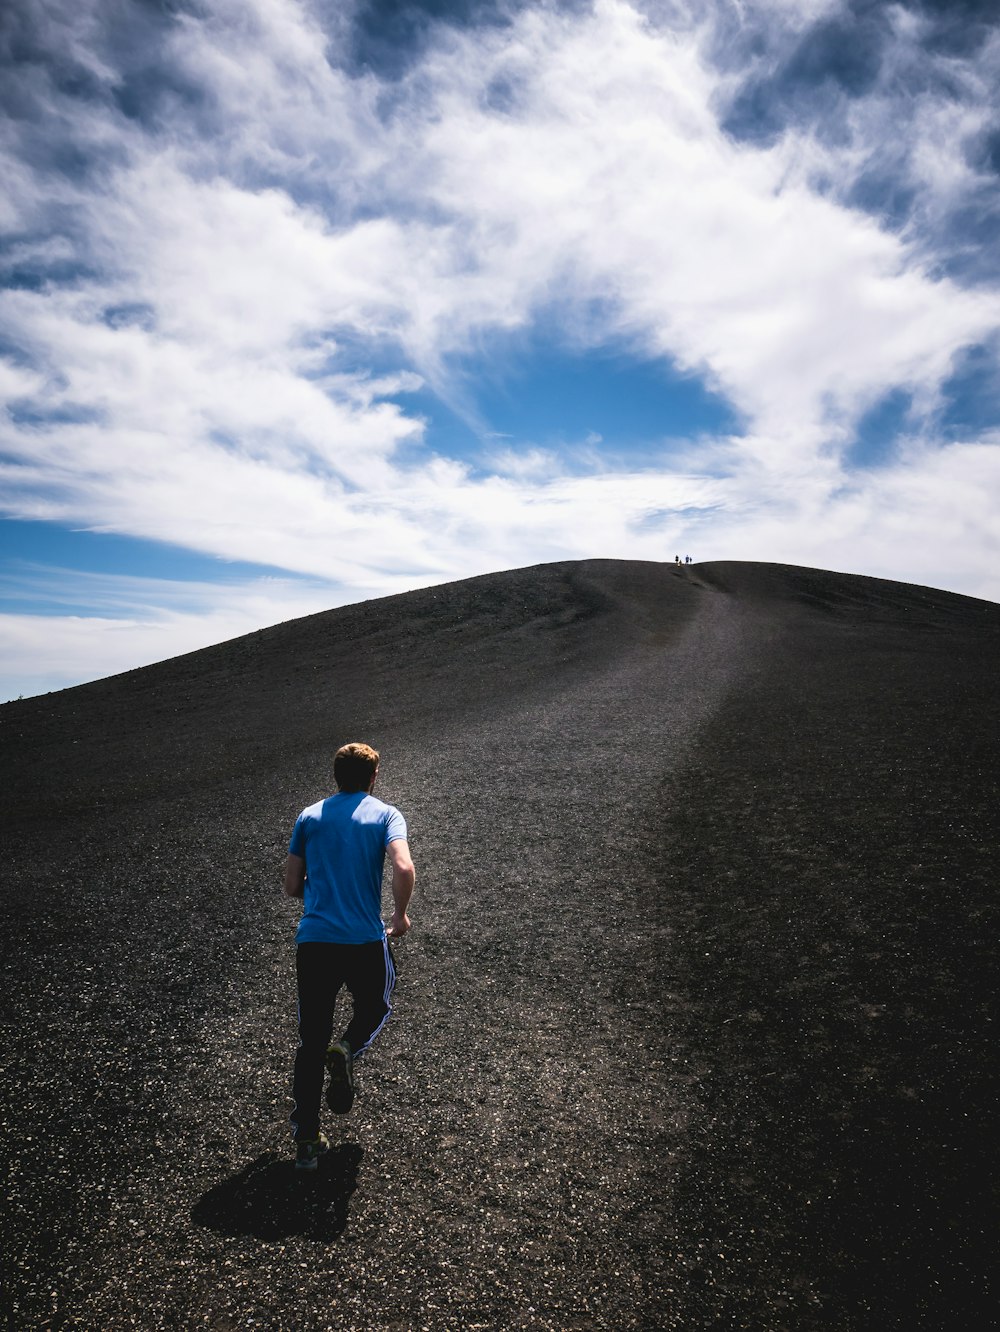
139	621
232	251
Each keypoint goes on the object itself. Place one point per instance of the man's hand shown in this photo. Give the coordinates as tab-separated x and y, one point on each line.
398	926
402	887
295	876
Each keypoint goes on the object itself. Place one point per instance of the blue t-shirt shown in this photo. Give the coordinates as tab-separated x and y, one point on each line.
342	840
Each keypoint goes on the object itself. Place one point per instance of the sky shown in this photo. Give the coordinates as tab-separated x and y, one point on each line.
304	302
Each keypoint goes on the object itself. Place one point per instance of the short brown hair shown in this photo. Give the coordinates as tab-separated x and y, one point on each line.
354	766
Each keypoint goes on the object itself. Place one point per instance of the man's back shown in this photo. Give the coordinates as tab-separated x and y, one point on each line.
343	840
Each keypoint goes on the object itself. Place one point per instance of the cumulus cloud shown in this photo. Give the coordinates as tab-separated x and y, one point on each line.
239	235
898	101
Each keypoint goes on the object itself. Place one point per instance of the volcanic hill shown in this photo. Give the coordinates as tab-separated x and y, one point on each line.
695	1028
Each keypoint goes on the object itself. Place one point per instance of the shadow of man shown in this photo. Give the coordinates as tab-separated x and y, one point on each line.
271	1200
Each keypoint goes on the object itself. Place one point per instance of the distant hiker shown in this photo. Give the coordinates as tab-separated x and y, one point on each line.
335	863
677	559
687	559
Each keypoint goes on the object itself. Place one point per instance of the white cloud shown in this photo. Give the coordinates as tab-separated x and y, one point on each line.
611	178
933	522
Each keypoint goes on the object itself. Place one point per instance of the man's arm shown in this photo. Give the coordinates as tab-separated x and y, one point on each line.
295	876
403	876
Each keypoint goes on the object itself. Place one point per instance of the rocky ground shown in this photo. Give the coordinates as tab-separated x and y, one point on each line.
694	1028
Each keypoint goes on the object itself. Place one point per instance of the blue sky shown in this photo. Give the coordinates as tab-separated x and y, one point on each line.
303	303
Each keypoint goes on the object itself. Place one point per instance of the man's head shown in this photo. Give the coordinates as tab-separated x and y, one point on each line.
354	768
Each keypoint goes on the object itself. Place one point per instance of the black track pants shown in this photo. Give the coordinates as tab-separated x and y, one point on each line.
323	969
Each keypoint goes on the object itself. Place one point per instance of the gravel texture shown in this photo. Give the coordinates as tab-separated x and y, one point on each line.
694	1028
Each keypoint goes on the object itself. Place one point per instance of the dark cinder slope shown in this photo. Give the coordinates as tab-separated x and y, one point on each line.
694	1028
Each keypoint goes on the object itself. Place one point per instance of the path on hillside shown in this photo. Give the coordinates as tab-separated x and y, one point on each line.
533	1089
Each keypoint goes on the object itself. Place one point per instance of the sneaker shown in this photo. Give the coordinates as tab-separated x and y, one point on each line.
340	1088
307	1153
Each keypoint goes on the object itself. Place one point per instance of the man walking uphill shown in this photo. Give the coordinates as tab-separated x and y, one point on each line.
335	861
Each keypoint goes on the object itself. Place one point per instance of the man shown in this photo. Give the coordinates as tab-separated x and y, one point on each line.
335	861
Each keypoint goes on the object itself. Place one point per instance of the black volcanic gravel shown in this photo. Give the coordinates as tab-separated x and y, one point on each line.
695	1025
